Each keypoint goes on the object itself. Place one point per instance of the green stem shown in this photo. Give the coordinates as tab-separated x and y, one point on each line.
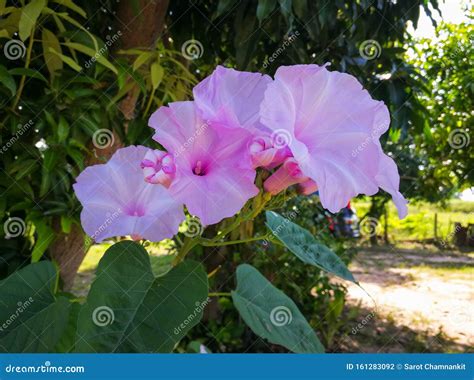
219	294
27	65
211	243
188	245
150	100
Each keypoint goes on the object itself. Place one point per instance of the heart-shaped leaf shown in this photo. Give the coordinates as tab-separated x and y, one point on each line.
129	310
33	320
303	245
271	314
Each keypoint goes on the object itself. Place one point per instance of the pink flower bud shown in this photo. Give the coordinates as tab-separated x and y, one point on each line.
286	175
158	167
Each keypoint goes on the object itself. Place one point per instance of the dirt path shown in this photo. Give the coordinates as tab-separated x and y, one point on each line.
421	290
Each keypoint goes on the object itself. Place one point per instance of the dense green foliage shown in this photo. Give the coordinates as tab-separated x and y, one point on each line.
443	150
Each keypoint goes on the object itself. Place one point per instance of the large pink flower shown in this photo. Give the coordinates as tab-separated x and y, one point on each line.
117	201
213	171
333	128
231	99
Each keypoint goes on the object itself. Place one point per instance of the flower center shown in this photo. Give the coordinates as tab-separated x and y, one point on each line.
200	169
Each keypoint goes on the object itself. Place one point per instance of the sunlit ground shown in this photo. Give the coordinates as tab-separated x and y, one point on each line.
431	293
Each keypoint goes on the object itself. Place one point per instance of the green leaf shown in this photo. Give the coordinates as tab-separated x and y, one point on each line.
67	341
264	8
271	314
66	224
63	129
78	25
29	15
45	181
129	310
40	333
51	158
395	134
53	62
96	54
45	237
224	6
7	80
304	246
28	73
141	59
157	73
70	4
67	60
39	319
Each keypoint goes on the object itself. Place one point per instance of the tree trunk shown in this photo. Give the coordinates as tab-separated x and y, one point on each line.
141	31
68	251
138	31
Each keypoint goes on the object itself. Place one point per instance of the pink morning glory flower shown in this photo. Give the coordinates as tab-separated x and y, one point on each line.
213	175
118	202
231	99
333	128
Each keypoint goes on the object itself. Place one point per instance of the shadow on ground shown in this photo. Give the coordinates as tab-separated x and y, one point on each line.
373	333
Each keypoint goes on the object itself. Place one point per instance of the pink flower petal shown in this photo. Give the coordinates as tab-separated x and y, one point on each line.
118	202
231	98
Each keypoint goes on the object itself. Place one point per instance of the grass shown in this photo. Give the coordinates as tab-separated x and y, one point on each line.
447	271
419	224
160	257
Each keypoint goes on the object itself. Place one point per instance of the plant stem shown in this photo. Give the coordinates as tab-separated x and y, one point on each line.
27	64
219	294
211	243
188	245
150	100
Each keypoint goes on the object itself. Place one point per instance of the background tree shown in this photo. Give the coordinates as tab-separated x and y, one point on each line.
445	160
88	75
